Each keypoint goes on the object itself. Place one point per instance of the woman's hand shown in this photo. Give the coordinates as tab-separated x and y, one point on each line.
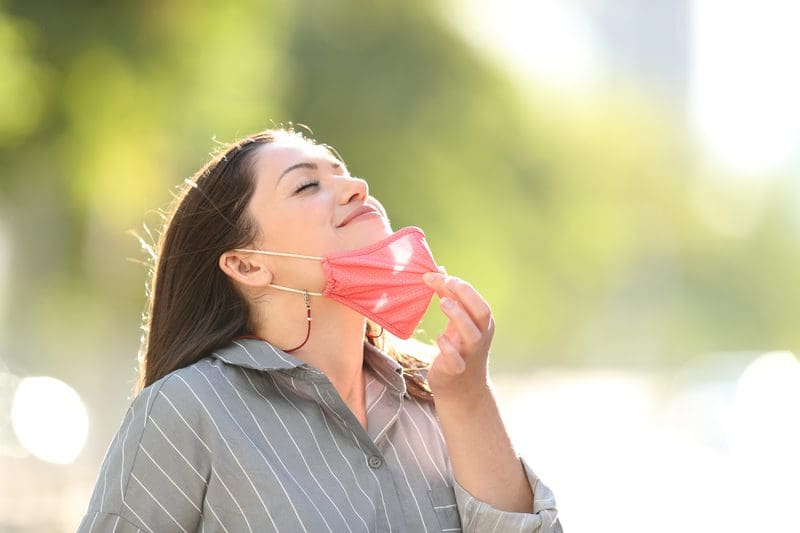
483	458
460	371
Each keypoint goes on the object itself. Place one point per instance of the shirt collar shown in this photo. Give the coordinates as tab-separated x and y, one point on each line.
259	354
385	366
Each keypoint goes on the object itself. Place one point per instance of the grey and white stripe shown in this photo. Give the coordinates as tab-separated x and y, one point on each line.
252	439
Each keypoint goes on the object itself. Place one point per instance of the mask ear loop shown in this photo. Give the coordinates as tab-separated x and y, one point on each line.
308	320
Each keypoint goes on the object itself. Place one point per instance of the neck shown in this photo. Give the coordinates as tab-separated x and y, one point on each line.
335	345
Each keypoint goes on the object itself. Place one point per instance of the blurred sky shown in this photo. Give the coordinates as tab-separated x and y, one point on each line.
723	56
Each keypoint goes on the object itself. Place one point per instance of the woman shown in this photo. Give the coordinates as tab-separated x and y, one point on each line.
270	397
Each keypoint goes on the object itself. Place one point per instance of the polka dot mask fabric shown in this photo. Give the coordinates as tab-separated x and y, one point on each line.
382	281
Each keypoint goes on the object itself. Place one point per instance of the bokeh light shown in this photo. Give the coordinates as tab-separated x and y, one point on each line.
764	436
49	419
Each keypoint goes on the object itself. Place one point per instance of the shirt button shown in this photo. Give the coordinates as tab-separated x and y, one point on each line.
375	461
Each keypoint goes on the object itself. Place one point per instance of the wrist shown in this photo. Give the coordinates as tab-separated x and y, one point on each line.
464	401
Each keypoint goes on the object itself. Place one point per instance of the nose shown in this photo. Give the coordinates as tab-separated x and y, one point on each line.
351	187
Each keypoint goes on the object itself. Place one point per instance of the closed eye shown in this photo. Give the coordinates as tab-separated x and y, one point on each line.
306	185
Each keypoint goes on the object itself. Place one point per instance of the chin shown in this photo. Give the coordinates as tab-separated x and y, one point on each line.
380	231
367	231
371	233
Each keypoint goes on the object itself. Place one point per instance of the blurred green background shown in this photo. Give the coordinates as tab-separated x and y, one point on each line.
588	210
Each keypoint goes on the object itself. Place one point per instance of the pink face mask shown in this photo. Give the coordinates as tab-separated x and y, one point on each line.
382	281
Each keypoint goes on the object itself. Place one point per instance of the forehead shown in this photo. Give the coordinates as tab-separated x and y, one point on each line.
275	157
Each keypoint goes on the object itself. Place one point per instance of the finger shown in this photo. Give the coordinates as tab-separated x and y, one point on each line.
467	330
436	281
452	358
475	305
452	334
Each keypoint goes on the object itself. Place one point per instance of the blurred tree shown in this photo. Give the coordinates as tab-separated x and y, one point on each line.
579	221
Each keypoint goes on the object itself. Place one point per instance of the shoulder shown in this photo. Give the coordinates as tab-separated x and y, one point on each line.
175	413
180	395
164	441
186	402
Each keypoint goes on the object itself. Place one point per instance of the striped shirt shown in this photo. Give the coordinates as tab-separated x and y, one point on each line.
252	439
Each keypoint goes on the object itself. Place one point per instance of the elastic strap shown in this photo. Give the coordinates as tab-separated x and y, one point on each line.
295	290
282	254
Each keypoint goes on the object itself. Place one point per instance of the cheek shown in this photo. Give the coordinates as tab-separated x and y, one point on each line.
302	224
296	211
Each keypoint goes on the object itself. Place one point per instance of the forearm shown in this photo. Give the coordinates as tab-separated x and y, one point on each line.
483	458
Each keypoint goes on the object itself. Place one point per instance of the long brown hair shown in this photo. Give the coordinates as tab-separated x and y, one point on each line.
193	307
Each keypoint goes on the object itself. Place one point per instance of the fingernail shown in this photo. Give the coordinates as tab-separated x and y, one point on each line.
428	276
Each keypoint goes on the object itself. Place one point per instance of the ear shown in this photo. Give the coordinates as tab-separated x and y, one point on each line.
243	267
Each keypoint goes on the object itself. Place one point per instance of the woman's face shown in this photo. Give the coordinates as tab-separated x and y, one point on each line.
302	196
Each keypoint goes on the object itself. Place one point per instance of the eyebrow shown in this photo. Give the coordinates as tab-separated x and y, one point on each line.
306	164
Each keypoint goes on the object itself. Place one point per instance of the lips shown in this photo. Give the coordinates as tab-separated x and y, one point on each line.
356	212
